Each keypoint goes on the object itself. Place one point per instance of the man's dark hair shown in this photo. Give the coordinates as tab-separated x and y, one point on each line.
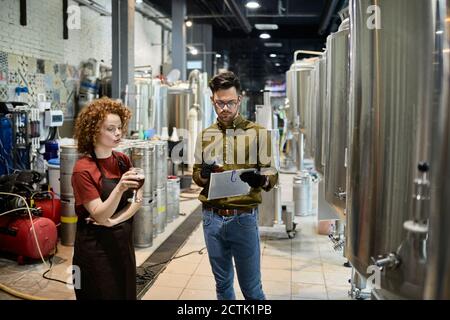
224	81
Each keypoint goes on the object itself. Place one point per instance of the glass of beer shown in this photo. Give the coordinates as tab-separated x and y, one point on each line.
140	178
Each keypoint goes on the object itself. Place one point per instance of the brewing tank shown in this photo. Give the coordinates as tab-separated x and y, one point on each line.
337	107
298	91
391	64
179	101
319	161
437	284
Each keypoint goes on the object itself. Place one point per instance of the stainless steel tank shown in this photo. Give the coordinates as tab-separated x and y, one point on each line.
158	107
337	107
313	101
392	50
319	155
144	95
298	80
179	101
298	91
438	271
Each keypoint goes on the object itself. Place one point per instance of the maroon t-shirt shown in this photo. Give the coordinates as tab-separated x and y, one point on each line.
86	178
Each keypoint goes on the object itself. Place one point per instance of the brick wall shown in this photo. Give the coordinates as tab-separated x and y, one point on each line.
43	36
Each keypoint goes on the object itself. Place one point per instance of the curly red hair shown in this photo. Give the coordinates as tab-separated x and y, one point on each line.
90	119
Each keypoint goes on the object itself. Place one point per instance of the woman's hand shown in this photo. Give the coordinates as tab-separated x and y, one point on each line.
128	181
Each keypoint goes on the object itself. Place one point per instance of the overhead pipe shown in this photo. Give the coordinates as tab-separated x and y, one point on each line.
327	15
95	7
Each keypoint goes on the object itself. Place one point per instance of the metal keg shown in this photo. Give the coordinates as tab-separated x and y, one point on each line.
68	222
302	194
143	156
173	198
160	210
69	155
143	225
161	157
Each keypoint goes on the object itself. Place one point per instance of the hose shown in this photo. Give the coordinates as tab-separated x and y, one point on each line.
19	294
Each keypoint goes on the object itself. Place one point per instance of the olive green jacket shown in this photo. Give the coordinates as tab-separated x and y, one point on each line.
242	145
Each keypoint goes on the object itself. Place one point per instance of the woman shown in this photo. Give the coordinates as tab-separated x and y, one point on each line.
102	183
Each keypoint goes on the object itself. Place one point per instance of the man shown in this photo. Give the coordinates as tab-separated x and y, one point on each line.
231	224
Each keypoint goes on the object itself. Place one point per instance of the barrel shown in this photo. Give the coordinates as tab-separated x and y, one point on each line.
160	210
68	222
69	155
54	175
143	225
302	194
143	156
173	198
161	159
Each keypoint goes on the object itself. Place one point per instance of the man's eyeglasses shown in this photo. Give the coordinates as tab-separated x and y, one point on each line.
230	104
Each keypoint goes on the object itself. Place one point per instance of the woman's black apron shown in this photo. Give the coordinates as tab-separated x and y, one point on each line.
105	256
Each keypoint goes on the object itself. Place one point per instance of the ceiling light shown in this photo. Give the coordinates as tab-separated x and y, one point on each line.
194	51
273	44
252	5
273	55
277	64
218	55
264	36
266	26
188	23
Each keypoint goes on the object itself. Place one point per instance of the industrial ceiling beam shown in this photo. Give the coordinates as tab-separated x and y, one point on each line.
240	17
220	20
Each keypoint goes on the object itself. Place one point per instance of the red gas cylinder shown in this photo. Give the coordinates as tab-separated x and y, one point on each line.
51	208
16	236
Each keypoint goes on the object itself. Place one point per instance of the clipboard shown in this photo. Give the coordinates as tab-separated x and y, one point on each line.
228	184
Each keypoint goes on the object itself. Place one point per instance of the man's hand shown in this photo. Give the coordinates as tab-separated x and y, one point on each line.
207	169
254	179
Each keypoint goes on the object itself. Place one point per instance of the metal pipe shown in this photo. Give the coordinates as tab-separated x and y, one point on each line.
327	15
155	19
296	53
215	16
95	7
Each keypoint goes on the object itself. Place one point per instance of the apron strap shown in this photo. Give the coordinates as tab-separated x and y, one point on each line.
122	166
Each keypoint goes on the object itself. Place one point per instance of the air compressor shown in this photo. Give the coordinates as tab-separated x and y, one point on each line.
17	236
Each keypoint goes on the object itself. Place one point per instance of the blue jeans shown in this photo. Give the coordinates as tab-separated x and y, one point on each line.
234	237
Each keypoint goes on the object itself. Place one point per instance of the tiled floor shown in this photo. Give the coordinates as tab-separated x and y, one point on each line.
302	268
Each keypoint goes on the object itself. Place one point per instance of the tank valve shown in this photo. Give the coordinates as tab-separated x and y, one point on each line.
341	194
391	261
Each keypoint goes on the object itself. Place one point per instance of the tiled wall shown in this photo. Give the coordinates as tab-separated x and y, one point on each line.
37	56
57	81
